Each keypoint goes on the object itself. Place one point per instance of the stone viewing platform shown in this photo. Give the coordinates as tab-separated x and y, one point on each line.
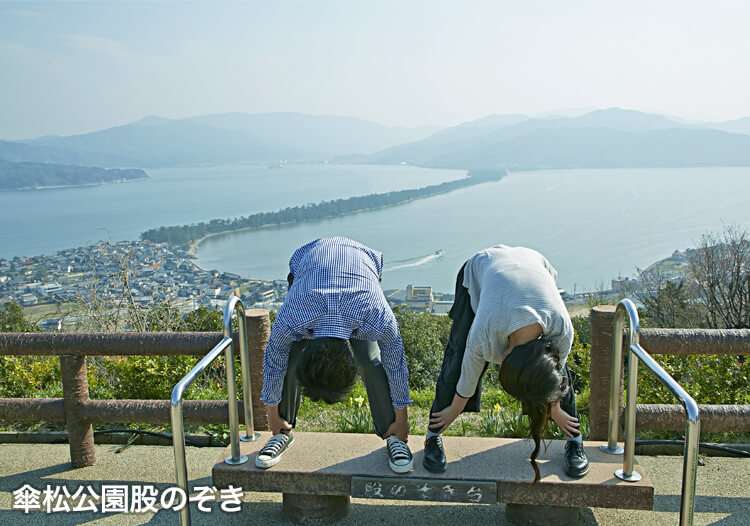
722	490
321	471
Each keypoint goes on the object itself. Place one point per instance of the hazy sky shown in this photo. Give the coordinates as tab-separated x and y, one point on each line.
76	67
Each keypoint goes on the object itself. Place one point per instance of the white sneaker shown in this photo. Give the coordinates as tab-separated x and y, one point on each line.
271	452
399	455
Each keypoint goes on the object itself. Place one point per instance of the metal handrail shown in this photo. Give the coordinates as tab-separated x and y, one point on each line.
692	430
233	306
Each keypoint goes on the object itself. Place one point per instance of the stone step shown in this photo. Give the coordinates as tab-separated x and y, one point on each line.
341	464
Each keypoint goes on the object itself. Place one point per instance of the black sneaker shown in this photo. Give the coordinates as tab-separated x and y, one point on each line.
399	455
576	462
271	452
434	455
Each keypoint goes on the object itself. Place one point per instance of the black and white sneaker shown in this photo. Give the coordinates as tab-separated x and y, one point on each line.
271	452
399	456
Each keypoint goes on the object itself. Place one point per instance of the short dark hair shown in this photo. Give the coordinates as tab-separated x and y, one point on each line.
531	374
326	370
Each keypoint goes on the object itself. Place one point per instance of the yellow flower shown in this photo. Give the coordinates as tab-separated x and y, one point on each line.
497	408
359	400
351	400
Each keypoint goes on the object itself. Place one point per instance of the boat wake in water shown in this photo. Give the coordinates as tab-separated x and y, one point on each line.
413	262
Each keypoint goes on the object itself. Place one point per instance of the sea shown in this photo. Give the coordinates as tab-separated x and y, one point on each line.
593	225
36	222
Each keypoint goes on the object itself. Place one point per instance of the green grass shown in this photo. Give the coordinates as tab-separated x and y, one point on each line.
321	417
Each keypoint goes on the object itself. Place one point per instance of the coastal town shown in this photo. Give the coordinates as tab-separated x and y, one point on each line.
148	273
55	289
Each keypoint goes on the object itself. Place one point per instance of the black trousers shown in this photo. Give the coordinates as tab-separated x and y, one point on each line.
463	316
367	356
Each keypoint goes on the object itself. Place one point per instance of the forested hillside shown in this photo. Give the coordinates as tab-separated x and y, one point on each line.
19	176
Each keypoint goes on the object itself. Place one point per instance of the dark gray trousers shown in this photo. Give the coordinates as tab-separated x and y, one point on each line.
367	355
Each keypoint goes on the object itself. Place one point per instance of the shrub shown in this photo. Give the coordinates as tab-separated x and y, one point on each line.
425	336
30	376
147	377
709	379
582	327
13	320
579	360
25	376
204	319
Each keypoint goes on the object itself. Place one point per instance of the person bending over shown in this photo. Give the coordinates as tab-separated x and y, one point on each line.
335	319
508	311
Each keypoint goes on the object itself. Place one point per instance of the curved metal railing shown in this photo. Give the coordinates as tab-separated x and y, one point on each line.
692	430
232	307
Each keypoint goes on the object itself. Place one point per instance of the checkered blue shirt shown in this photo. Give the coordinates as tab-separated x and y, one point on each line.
336	293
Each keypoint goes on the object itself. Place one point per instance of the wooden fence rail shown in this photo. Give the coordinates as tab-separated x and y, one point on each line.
78	411
662	341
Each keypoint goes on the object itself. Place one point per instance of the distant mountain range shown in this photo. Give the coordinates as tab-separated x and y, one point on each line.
737	126
22	176
598	139
229	137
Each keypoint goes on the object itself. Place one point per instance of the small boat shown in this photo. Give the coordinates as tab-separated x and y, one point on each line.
440	253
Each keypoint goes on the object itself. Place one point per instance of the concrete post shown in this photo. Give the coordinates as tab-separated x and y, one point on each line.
75	394
602	320
258	331
314	509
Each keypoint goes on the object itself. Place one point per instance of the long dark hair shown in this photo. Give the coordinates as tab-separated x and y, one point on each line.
531	374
